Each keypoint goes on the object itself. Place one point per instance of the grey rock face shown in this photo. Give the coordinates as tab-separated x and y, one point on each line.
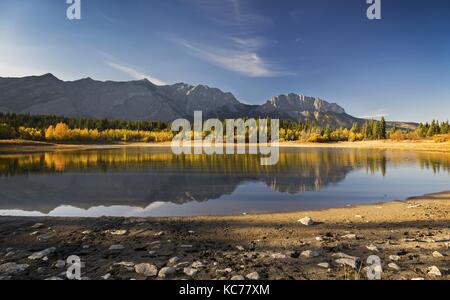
142	100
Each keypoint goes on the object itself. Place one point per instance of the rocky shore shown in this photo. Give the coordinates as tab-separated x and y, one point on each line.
411	238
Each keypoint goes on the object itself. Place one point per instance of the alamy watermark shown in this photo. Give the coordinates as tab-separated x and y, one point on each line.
239	136
74	10
374	10
74	267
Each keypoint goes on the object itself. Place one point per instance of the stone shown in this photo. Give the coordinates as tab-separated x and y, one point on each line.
394	267
278	256
253	276
119	232
307	221
12	268
190	271
146	269
166	272
359	217
159	233
437	254
240	248
394	257
310	254
238	278
349	236
418	279
372	248
173	261
434	271
44	237
106	276
347	262
224	271
42	254
37	226
324	265
116	247
182	265
343	255
60	264
126	264
197	264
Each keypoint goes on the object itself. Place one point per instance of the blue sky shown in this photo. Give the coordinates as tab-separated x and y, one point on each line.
398	66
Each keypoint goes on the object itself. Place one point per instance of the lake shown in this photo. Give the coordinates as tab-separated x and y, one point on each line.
153	182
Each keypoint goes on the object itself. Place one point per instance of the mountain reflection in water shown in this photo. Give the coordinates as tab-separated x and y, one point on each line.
138	177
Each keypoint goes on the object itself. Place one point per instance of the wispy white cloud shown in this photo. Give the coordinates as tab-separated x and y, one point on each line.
131	71
234	13
241	57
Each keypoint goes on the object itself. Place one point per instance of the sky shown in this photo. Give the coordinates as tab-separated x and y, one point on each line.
398	66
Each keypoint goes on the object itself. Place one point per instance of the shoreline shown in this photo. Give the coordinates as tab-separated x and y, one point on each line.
18	146
413	234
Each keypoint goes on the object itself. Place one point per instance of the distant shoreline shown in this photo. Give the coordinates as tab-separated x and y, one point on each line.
22	146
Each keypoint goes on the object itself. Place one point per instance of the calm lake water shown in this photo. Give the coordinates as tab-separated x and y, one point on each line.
154	182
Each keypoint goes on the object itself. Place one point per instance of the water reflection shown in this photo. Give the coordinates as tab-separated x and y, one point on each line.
138	177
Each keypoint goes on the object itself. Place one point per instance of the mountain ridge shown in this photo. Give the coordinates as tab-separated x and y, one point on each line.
143	100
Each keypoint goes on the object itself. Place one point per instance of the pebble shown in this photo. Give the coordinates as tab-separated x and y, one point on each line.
238	278
44	237
253	276
418	279
197	264
37	226
394	266
372	248
119	232
307	221
60	264
166	272
278	256
180	265
146	269
42	254
437	254
159	233
106	276
434	271
116	247
224	271
324	265
190	271
240	248
173	261
349	236
310	253
347	262
359	217
12	268
394	257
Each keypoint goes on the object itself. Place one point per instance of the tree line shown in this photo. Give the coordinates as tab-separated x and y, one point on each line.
61	129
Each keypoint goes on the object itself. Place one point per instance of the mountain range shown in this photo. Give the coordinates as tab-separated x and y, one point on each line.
143	100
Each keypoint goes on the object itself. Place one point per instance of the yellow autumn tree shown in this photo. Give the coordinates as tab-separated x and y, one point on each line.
61	132
50	133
